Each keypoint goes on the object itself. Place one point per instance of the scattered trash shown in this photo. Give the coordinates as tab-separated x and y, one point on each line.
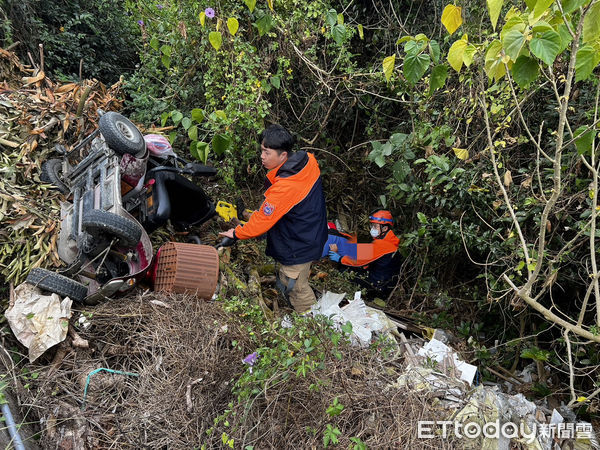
38	321
442	354
364	319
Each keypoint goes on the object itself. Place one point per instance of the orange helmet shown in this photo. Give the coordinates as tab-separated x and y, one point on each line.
381	216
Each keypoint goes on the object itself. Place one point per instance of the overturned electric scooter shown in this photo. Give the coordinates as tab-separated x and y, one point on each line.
126	186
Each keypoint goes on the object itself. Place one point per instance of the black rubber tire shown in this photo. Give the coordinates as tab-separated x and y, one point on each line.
121	134
57	284
52	172
97	222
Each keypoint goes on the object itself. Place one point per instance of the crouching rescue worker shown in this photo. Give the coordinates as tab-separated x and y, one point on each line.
380	258
293	214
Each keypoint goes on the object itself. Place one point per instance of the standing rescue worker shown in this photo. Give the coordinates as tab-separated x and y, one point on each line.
293	214
379	258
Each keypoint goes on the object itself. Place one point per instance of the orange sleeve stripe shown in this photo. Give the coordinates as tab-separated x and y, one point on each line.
283	195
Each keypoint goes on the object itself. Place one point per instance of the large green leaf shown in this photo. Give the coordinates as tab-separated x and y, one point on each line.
434	51
514	23
584	140
469	54
186	122
591	24
264	24
456	54
197	115
439	74
494	7
587	59
415	66
388	66
251	4
546	46
525	70
220	143
452	18
513	43
540	8
530	4
338	32
193	133
215	38
154	43
565	37
233	25
571	5
331	17
176	116
494	66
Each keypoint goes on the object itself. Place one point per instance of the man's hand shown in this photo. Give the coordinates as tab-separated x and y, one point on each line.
334	256
228	233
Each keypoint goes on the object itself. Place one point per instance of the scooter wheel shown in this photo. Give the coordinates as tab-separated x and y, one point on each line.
52	172
97	222
57	284
121	134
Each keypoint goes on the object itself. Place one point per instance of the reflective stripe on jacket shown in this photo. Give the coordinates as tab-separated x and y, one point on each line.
293	213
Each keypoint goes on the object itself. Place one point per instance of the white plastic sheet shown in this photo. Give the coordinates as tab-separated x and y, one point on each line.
38	321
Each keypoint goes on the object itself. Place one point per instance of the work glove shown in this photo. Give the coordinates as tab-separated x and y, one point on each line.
334	256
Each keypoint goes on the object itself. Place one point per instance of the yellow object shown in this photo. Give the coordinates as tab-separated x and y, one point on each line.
228	211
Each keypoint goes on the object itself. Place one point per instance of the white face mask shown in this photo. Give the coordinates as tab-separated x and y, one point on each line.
374	232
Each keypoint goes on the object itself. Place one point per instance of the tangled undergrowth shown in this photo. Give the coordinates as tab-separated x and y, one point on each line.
188	387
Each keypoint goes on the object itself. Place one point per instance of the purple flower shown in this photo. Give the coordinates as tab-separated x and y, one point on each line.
160	6
210	13
141	23
251	359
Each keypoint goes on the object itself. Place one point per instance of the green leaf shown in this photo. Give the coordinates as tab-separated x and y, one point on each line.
220	143
166	61
571	5
264	24
434	51
338	32
361	32
221	114
30	316
166	50
216	39
186	122
513	43
546	46
469	54
347	327
456	54
422	218
587	59
197	115
331	17
340	19
452	18
542	26
194	149
584	140
494	66
525	70
415	67
202	17
154	43
202	150
388	66
275	81
565	37
494	7
530	4
461	153
439	74
251	4
193	132
591	24
176	116
233	25
514	23
541	6
163	118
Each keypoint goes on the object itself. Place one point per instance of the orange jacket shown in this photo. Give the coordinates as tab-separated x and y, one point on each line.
367	253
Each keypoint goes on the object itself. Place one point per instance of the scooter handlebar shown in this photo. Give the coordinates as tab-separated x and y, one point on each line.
226	242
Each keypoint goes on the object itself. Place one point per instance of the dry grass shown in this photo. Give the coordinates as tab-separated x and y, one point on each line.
182	350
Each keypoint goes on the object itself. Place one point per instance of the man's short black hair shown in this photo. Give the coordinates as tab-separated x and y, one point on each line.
278	138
